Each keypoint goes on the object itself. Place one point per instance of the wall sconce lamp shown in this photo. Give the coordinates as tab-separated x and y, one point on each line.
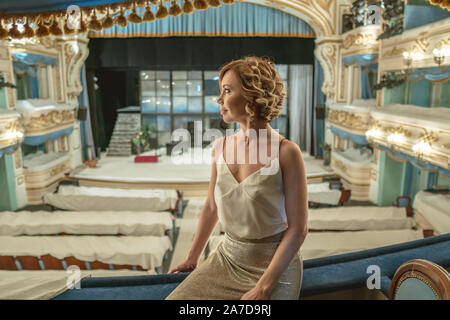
420	149
439	55
373	134
408	59
393	140
423	146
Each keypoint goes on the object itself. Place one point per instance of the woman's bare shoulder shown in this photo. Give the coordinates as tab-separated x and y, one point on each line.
290	154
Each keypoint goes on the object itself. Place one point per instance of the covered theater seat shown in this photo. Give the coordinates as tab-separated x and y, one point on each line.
86	223
420	279
144	252
321	193
354	218
82	198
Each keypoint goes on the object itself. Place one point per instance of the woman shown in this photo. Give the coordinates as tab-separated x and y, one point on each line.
263	212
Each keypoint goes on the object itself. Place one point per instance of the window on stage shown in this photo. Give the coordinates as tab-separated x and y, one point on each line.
172	99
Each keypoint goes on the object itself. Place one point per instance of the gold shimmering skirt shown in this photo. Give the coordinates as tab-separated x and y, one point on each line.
235	268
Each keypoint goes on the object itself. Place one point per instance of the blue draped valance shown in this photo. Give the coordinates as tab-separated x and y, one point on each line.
237	20
362	59
37	140
358	139
32	59
8	150
25	62
427	167
21	68
431	74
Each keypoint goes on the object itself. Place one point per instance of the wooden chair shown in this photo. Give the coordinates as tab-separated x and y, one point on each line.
7	263
29	262
52	263
404	201
74	261
345	196
420	280
312	204
98	265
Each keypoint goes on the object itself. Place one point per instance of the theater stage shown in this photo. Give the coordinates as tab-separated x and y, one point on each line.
190	177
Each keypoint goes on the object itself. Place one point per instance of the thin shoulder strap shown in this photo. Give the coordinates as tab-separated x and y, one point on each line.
224	141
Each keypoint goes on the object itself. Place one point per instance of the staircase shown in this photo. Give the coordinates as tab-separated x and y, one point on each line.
124	130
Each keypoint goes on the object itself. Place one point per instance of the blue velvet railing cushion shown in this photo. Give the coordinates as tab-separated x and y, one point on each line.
153	287
347	271
38	140
322	275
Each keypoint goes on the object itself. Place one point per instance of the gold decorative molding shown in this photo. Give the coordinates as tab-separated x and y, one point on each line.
49	121
57	170
74	53
347	120
398	130
422	40
412	132
340	165
8	129
361	40
394	52
327	54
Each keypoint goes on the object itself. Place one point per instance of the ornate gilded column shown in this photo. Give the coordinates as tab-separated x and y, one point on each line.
73	51
328	53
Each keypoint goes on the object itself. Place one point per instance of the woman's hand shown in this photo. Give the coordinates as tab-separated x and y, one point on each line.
187	265
257	293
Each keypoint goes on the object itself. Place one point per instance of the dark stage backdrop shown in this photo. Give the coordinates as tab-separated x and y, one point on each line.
117	62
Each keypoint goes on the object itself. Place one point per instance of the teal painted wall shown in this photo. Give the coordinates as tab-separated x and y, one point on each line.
419	182
445	95
442	182
8	200
395	95
3	99
419	93
390	180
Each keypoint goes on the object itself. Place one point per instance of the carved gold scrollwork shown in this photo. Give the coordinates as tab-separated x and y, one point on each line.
399	130
327	54
50	120
58	169
393	52
347	120
340	165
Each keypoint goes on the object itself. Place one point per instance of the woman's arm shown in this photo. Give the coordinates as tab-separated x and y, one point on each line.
296	203
205	226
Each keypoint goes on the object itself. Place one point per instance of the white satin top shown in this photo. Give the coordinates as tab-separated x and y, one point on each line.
254	208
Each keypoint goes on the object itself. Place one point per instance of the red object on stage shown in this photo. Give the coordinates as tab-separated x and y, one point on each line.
146	159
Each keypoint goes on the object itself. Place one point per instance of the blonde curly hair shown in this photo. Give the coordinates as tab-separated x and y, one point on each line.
261	85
